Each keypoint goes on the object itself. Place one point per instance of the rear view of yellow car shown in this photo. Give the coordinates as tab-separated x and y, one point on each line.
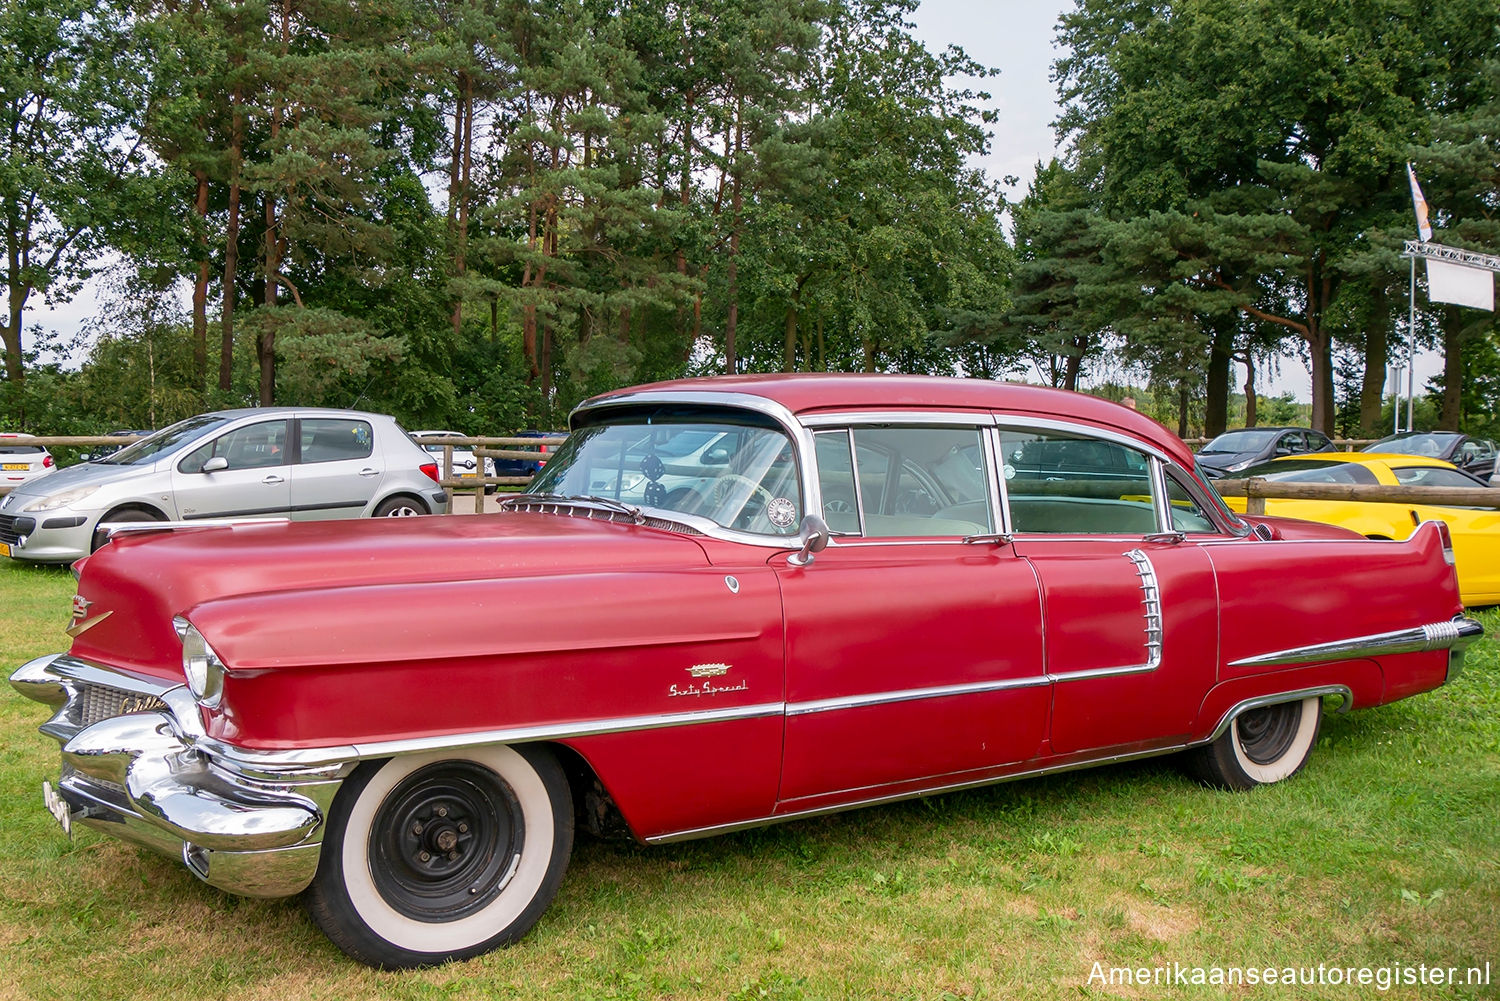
1475	531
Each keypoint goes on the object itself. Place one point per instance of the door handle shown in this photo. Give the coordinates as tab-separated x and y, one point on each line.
368	471
272	479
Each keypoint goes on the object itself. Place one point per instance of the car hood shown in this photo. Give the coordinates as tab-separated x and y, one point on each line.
1223	460
81	475
144	579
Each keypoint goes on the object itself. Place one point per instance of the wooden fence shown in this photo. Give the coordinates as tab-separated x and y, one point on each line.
1256	490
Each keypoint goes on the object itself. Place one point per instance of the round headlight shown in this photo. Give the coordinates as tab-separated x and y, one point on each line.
203	668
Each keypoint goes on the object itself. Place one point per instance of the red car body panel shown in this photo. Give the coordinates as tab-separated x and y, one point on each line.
885	668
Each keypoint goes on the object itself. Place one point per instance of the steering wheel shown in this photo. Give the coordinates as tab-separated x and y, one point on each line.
729	484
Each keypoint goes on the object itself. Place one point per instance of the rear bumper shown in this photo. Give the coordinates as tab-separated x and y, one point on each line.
132	767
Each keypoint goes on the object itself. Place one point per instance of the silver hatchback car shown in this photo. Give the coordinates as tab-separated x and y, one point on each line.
270	462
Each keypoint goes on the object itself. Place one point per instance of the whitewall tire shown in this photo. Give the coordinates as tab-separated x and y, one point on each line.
442	856
1261	746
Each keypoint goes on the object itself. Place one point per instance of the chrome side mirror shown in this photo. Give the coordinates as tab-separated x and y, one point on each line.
814	535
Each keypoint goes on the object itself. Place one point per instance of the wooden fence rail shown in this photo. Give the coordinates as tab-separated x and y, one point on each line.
1258	490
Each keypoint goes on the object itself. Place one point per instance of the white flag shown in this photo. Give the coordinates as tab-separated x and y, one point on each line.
1460	284
1424	228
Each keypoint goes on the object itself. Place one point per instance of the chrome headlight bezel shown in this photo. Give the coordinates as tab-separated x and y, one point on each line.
201	666
67	498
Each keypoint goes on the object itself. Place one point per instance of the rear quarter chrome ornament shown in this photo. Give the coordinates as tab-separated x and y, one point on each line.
77	623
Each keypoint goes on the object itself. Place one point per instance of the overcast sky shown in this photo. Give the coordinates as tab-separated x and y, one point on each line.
1015	37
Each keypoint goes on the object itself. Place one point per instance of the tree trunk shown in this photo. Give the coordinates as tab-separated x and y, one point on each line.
1216	401
463	165
1451	413
1249	390
200	288
731	362
231	247
1372	386
1320	350
789	348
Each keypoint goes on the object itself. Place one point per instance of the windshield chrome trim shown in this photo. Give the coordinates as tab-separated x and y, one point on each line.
803	454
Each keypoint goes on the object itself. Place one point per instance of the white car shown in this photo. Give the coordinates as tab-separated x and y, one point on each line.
22	460
465	462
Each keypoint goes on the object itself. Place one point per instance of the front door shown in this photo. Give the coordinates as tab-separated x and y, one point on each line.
253	480
914	659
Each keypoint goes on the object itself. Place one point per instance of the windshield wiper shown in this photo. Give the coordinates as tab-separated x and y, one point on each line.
604	503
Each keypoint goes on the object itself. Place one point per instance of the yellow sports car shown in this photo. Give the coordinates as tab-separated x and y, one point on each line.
1475	531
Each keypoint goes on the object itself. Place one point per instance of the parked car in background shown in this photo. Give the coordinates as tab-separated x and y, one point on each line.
98	452
22	460
272	462
466	465
1242	448
1472	455
527	467
329	709
1475	531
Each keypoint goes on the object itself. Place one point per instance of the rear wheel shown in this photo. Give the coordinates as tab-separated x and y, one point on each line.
438	857
399	507
1261	746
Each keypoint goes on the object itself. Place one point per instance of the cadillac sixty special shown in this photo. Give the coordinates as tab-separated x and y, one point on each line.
840	590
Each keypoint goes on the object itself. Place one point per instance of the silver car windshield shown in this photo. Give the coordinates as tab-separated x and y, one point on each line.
165	441
742	476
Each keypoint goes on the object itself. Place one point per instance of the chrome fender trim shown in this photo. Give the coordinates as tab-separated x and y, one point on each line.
1450	635
1260	702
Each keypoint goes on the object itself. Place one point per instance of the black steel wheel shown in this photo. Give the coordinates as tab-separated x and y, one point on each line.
436	857
1261	746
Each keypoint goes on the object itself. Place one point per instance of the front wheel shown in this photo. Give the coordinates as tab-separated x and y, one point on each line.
438	857
1261	746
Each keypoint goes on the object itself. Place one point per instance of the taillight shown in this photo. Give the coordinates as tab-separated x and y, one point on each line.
1447	540
430	468
46	462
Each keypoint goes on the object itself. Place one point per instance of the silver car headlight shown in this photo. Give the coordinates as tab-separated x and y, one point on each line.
52	502
203	668
1239	465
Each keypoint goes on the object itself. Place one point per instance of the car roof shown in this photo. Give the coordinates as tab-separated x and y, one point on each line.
239	412
811	393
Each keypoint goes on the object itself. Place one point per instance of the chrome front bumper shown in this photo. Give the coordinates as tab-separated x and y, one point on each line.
136	765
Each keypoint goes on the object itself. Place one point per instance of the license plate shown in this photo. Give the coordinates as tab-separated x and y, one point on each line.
4	549
15	465
58	807
466	476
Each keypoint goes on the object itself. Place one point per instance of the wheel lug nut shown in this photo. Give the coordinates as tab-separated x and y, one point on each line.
442	811
463	828
453	856
416	828
425	857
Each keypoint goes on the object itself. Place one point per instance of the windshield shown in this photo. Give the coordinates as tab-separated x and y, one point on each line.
1415	443
166	441
1240	441
734	469
1311	471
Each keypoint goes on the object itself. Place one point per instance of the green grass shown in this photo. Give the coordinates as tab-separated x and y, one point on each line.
1385	850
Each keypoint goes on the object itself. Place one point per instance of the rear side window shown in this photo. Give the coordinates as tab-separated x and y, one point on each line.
1064	484
329	439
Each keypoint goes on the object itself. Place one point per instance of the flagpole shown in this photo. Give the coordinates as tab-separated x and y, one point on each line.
1411	342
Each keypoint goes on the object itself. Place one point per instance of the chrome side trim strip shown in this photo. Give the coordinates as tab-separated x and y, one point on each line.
867	418
911	695
1029	773
1100	672
1151	609
1454	634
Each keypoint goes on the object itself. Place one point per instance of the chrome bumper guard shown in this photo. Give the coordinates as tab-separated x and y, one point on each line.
146	775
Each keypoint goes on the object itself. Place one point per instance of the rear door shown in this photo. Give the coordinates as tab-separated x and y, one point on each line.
338	468
1130	609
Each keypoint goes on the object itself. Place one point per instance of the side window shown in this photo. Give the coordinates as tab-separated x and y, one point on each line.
904	482
251	447
1187	516
329	439
1431	476
1064	484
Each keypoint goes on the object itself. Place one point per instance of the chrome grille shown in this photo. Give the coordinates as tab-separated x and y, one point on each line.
99	702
